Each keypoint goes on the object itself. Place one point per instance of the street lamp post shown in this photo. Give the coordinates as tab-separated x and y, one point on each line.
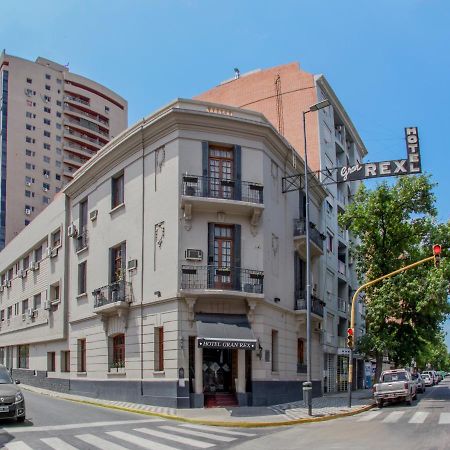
316	107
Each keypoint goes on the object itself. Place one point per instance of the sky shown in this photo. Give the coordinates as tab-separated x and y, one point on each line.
388	61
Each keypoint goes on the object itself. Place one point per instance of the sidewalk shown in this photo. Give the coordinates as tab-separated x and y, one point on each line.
328	407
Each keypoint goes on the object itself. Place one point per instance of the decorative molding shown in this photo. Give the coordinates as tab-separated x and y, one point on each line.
191	306
221	217
160	232
275	243
187	216
251	309
255	220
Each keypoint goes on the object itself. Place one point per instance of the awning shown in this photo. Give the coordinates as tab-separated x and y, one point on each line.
224	331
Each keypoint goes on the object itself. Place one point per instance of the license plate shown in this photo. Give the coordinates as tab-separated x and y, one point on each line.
4	408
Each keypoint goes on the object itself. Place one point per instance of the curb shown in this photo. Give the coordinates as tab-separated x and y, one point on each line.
214	423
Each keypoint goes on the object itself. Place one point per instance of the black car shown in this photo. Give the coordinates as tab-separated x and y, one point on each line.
12	403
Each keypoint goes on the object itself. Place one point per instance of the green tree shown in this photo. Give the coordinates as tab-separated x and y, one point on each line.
394	226
435	354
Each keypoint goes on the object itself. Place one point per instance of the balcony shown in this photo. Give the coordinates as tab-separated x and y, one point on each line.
114	298
316	238
68	158
72	98
77	148
342	268
221	281
77	123
83	113
215	194
316	304
82	137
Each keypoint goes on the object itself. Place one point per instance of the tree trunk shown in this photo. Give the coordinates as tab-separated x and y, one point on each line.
379	365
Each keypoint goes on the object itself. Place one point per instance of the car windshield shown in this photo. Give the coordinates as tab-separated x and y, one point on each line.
4	377
426	376
400	376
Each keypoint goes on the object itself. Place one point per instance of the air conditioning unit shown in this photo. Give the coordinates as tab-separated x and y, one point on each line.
30	313
21	273
47	305
1	288
53	253
93	215
24	316
27	211
8	283
34	265
132	264
193	254
28	183
49	251
72	230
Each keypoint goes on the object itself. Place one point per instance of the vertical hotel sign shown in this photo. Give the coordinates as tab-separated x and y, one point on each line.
410	165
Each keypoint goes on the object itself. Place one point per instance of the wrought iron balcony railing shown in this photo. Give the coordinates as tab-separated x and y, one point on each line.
199	186
226	278
82	239
118	291
316	304
315	235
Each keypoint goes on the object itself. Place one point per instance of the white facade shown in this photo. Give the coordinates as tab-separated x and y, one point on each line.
133	301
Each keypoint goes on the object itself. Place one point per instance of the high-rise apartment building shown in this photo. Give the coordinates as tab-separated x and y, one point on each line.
282	94
52	121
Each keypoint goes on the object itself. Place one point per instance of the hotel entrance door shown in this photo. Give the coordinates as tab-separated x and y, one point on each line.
219	370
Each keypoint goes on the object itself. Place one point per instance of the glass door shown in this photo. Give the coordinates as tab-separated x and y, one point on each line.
223	256
221	184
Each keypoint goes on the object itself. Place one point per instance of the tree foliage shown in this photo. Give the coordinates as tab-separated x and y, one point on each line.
395	226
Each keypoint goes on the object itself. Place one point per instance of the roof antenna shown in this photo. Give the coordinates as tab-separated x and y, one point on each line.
237	73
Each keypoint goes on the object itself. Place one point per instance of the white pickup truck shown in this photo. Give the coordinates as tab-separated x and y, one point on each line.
394	385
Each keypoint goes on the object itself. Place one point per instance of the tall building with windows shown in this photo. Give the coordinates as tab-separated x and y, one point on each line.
52	121
282	94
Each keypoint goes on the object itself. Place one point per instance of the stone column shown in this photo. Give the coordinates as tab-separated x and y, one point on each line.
240	388
198	368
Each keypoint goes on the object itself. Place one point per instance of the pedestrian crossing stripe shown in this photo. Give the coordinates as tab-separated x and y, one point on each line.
419	417
393	417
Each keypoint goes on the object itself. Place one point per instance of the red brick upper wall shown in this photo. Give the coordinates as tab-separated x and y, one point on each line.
257	91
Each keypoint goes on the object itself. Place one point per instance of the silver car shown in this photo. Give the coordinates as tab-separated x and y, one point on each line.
12	403
420	382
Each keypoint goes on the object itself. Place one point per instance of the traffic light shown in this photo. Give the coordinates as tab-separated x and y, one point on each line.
350	337
437	254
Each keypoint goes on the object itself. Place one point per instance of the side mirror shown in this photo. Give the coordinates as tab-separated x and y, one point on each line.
17	381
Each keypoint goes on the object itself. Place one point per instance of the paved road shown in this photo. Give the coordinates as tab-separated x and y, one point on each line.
423	426
62	425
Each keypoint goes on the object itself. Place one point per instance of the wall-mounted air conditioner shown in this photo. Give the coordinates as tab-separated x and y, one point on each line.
30	313
47	305
132	264
34	265
192	254
8	283
72	230
93	214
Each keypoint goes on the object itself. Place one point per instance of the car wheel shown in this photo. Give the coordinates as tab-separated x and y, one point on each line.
409	401
380	403
21	419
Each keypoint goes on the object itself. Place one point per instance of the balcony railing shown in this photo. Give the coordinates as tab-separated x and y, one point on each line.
83	136
118	291
82	239
224	278
200	186
67	107
314	233
75	146
72	98
342	305
94	130
316	304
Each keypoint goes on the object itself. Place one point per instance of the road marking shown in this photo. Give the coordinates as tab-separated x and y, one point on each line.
172	437
140	442
217	430
444	418
211	436
369	416
419	417
20	445
394	417
100	443
58	444
75	426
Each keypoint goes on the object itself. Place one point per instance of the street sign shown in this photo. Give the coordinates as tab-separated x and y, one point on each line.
410	165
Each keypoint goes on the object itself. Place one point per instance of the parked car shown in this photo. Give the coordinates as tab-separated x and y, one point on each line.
432	375
12	402
395	385
420	382
427	379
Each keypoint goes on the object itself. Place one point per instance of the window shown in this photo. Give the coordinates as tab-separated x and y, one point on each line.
28	126
106	109
83	215
58	102
48	76
2	315
29	140
54	293
10	273
58	126
65	361
58	176
47	134
159	349
47	109
29	194
274	351
30	153
51	361
9	312
117	190
58	114
26	262
37	301
30	166
58	151
16	308
329	242
46	172
45	200
58	138
58	164
58	80
28	114
47	87
29	80
47	159
24	306
81	353
300	355
29	181
118	352
38	253
47	146
56	238
47	98
22	356
45	187
82	278
26	222
117	262
47	122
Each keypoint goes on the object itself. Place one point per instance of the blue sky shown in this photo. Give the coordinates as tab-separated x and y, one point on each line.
388	61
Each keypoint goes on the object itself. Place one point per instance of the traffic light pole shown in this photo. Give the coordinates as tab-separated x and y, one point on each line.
352	316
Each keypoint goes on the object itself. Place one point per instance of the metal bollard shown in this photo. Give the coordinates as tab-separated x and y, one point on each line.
307	396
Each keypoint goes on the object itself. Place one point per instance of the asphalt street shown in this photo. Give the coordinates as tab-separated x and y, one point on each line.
63	425
423	426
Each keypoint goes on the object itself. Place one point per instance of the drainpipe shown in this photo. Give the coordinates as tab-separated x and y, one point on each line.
142	258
